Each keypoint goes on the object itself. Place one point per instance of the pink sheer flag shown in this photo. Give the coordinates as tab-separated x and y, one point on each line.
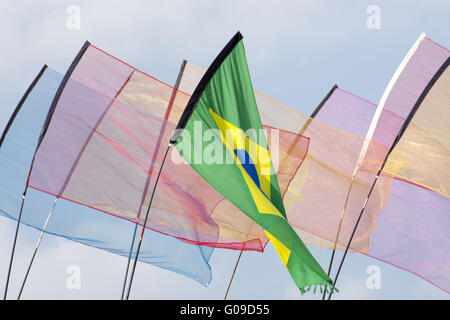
104	146
412	229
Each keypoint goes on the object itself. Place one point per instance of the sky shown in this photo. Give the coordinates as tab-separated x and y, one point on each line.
296	51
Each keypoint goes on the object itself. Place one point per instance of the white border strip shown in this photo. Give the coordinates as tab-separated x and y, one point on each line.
383	99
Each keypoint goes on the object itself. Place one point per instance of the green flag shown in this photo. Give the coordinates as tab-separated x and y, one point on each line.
235	158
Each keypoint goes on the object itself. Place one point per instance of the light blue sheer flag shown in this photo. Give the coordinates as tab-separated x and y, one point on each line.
73	221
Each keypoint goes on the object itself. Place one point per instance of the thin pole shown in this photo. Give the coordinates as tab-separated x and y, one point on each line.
367	139
232	276
294	143
2	138
338	232
145	222
128	263
147	183
370	133
413	111
371	130
354	229
41	136
14	243
37	247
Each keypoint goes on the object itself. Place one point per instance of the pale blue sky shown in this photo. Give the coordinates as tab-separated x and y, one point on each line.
296	51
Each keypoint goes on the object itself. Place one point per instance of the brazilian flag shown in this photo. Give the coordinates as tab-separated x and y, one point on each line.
235	159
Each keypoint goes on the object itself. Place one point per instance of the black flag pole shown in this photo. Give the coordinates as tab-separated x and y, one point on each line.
189	109
364	149
41	136
37	248
147	183
302	131
365	146
2	138
145	222
397	139
338	232
124	286
14	243
66	183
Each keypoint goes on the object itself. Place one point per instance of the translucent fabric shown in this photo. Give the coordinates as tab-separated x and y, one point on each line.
411	230
316	193
104	146
422	155
407	88
412	233
17	149
72	221
420	217
120	138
